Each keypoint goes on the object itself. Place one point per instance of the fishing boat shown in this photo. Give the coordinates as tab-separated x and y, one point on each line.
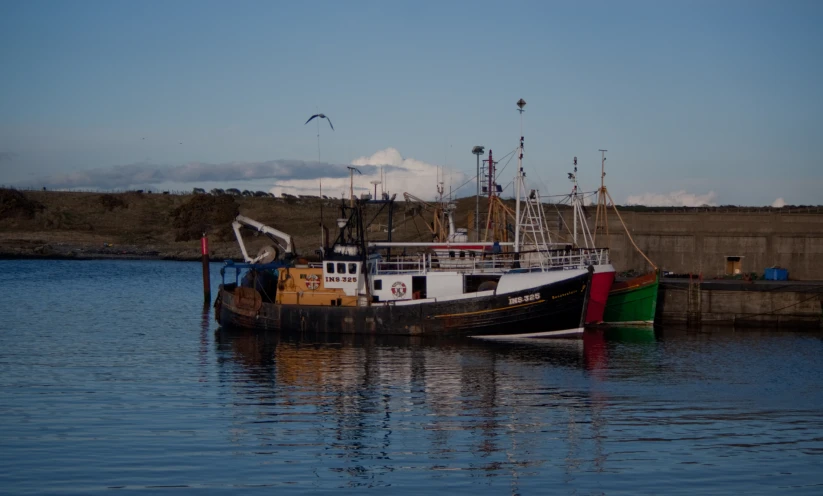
355	289
491	289
604	272
631	301
531	241
537	249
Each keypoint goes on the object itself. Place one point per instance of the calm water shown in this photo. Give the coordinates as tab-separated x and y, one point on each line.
112	378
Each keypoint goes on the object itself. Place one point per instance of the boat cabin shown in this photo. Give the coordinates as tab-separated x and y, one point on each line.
346	275
332	283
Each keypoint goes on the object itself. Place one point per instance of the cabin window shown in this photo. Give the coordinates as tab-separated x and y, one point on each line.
462	254
451	254
341	268
378	284
330	268
352	268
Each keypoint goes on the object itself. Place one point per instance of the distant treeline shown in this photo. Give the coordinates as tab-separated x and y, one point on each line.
724	209
195	191
625	208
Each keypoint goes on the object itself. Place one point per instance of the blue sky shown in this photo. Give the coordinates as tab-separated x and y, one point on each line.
721	101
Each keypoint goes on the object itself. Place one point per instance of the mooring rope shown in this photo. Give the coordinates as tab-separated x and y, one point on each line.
628	233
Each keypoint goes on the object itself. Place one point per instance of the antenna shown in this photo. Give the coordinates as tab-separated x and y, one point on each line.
446	165
322	220
318	141
319	116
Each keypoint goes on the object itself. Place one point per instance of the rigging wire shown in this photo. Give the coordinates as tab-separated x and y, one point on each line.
511	156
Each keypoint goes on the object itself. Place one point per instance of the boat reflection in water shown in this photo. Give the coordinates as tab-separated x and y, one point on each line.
637	411
502	408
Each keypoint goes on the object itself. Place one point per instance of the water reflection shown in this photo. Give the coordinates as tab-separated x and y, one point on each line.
474	405
140	393
367	410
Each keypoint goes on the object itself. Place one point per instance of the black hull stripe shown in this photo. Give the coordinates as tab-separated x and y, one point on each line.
488	315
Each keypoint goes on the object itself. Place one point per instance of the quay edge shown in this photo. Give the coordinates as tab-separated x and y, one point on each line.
726	303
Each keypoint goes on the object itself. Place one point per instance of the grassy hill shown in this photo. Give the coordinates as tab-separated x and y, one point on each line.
150	225
135	225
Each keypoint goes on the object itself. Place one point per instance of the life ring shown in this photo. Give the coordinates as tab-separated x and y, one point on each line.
398	289
312	281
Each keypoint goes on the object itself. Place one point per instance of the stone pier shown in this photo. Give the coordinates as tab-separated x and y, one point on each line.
786	305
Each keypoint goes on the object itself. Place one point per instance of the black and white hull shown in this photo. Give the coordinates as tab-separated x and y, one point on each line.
524	304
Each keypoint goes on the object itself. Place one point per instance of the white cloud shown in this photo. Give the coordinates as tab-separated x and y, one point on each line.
130	175
402	175
779	203
674	199
295	177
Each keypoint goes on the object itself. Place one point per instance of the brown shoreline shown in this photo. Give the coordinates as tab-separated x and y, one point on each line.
132	225
21	249
64	225
173	258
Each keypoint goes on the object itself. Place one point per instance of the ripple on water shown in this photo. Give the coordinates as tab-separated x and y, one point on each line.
112	376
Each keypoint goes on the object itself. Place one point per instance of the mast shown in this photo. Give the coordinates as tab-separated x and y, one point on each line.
580	223
601	222
490	176
602	202
440	212
574	202
490	213
477	151
520	104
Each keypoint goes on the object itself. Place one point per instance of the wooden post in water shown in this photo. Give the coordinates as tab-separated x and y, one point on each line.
204	250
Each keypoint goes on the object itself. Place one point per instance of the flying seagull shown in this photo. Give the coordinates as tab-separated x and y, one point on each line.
322	116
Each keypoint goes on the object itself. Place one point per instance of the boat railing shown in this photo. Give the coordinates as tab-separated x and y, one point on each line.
402	264
492	262
429	262
236	270
576	257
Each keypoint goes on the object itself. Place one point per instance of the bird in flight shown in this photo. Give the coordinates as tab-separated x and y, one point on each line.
321	116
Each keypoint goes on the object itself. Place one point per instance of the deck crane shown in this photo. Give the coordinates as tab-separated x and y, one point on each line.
267	253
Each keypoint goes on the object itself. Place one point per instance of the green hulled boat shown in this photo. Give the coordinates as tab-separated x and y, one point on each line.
633	301
626	334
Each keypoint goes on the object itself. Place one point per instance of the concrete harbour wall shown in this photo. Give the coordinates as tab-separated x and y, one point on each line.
740	304
700	241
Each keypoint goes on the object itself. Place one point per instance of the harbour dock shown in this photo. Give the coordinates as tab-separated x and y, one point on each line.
786	305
